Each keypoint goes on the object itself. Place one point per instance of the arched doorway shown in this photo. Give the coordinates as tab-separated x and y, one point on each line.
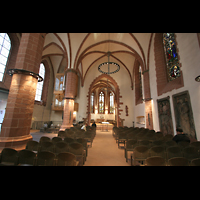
103	99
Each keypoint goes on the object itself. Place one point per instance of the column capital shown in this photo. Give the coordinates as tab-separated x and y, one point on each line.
71	70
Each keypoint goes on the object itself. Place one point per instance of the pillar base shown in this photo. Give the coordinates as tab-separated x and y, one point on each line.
63	127
17	143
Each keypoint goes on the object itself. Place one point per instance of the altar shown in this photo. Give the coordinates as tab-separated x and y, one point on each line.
103	126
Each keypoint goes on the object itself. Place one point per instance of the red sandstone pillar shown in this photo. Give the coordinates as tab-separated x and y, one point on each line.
15	130
70	94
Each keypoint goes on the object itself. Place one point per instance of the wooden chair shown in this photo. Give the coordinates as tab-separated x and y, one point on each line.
26	157
178	161
190	153
47	146
45	158
195	162
174	151
155	161
56	139
122	138
157	151
140	154
61	147
130	145
9	156
32	146
44	139
66	159
78	150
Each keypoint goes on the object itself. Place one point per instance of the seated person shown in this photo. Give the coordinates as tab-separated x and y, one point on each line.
181	136
94	124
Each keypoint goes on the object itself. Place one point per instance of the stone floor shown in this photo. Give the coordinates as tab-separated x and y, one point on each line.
105	151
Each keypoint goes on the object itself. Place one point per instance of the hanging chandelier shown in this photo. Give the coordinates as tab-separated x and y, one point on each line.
108	63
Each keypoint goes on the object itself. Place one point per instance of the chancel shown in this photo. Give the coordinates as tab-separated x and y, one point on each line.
144	84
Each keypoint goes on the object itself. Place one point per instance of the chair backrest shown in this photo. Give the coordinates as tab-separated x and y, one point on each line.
123	135
44	139
56	139
131	136
183	144
47	146
155	161
174	151
69	140
131	144
170	143
61	147
26	157
190	153
66	159
195	144
69	133
168	137
32	145
61	134
141	152
157	151
178	161
158	143
82	141
45	158
76	148
9	155
144	142
195	162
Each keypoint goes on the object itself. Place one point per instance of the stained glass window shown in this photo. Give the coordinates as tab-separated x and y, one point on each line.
101	102
5	46
92	103
173	68
140	79
39	89
111	103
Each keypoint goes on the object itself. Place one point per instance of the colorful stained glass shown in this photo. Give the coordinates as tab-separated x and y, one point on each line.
173	69
92	103
101	103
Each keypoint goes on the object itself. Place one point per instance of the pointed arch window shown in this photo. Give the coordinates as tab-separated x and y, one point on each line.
140	79
111	104
171	56
38	96
5	45
92	103
101	102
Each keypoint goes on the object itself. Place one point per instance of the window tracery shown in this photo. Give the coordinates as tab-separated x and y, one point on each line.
172	61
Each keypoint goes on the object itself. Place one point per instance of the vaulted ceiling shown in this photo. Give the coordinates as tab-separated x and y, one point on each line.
83	51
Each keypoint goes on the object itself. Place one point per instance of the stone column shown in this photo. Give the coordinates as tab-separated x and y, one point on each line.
15	130
70	94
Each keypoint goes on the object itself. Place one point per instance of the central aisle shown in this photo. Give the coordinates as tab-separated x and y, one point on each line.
105	151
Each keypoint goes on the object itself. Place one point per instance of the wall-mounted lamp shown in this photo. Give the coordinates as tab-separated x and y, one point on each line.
197	78
147	99
23	71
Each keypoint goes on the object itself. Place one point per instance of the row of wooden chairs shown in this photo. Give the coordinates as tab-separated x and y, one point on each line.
123	135
141	153
89	134
26	157
176	161
131	144
78	148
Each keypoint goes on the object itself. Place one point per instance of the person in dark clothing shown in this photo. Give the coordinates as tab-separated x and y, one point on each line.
181	136
94	124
